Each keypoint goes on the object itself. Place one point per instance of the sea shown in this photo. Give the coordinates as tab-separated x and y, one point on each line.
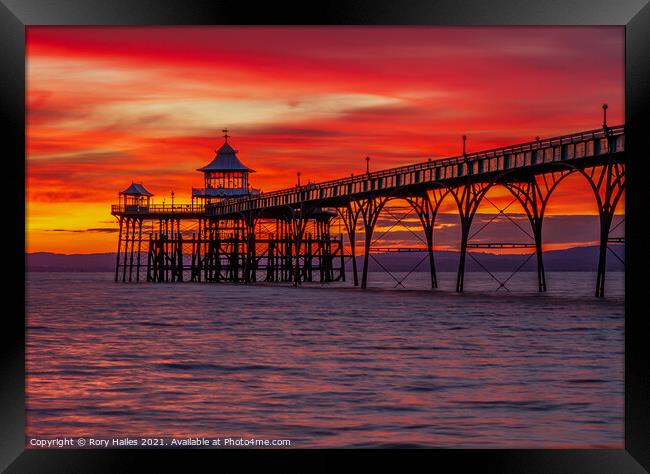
333	366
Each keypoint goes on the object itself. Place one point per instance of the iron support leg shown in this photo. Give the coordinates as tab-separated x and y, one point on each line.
460	277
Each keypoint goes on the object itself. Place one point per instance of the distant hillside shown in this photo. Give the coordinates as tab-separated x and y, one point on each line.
575	259
57	262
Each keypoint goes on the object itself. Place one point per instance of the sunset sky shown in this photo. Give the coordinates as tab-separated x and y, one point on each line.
106	106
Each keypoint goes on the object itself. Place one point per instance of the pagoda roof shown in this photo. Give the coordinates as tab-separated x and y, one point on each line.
226	160
136	189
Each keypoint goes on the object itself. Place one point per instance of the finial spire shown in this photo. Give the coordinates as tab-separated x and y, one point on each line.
225	134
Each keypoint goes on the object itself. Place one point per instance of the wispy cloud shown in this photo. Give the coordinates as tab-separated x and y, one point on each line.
103	230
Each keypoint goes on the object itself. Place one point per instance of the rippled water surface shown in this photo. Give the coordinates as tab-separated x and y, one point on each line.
328	367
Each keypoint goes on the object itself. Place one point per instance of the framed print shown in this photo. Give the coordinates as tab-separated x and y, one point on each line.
275	233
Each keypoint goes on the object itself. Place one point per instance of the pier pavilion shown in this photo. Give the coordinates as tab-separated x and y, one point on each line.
181	242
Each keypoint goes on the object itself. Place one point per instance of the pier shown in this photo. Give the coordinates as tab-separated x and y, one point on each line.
231	232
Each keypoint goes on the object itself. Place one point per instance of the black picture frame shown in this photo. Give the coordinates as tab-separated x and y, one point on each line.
15	15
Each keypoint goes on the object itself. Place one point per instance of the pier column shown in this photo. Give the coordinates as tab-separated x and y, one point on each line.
370	210
133	224
215	251
150	258
533	195
608	184
126	249
426	206
326	238
299	219
193	261
137	275
179	255
350	216
467	197
539	254
249	220
119	246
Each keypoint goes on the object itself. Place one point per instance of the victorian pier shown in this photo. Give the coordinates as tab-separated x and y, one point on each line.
232	232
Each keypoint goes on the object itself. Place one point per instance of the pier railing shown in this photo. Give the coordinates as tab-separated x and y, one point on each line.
563	148
157	208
